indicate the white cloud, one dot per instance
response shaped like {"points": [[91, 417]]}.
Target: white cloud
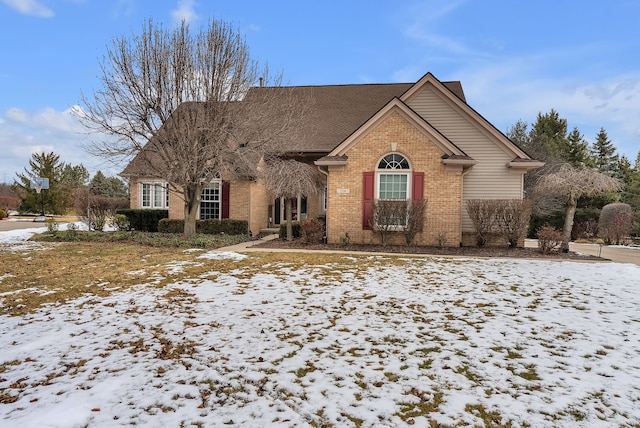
{"points": [[30, 7], [23, 133], [184, 12], [505, 86]]}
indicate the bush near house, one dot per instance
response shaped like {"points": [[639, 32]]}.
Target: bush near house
{"points": [[616, 223], [506, 219], [295, 227], [3, 214], [144, 220], [207, 227], [549, 239], [312, 231]]}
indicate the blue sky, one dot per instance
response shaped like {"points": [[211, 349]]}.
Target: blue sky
{"points": [[514, 58]]}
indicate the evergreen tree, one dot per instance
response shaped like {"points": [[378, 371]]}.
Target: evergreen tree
{"points": [[111, 187], [519, 134], [604, 153], [52, 200], [578, 153], [548, 136], [75, 176]]}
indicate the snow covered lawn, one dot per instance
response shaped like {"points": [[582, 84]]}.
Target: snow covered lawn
{"points": [[312, 340]]}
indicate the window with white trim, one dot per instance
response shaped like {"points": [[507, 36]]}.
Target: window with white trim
{"points": [[155, 195], [210, 201], [393, 189], [393, 177]]}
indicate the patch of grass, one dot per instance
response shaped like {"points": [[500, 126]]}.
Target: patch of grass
{"points": [[163, 240], [71, 270], [490, 418], [530, 374], [421, 404]]}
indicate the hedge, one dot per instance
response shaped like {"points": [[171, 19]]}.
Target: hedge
{"points": [[144, 220], [295, 228], [209, 227]]}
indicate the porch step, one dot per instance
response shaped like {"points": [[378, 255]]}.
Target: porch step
{"points": [[268, 231]]}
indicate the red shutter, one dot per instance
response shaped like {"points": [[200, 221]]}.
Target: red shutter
{"points": [[226, 186], [367, 198], [417, 192]]}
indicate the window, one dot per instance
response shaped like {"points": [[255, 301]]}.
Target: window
{"points": [[393, 190], [385, 193], [210, 201], [393, 177], [155, 195]]}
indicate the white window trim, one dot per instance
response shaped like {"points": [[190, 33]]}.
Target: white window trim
{"points": [[387, 171], [220, 190], [152, 189]]}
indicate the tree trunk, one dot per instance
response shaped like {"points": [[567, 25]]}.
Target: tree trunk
{"points": [[191, 205], [287, 213], [568, 222]]}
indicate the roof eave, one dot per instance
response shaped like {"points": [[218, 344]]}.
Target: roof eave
{"points": [[524, 164], [460, 162]]}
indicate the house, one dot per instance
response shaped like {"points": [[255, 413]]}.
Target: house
{"points": [[406, 141]]}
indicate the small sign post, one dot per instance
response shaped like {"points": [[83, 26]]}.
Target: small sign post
{"points": [[40, 184]]}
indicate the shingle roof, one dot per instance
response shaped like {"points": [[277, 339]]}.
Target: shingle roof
{"points": [[336, 111], [339, 110]]}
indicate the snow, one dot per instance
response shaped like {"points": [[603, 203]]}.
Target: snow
{"points": [[363, 339]]}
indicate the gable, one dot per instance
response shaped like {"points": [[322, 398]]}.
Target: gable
{"points": [[461, 123], [449, 151]]}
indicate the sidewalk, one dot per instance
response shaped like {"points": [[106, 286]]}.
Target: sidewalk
{"points": [[612, 253]]}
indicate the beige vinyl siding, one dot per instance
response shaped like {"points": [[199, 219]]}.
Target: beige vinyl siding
{"points": [[489, 178]]}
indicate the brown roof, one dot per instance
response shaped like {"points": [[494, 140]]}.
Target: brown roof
{"points": [[336, 112], [339, 110]]}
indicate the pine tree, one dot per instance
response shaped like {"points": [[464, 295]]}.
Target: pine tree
{"points": [[52, 200], [604, 153], [549, 138], [578, 153]]}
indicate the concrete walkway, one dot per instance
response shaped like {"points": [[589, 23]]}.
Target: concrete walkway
{"points": [[615, 254]]}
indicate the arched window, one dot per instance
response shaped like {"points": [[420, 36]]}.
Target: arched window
{"points": [[393, 178], [387, 190]]}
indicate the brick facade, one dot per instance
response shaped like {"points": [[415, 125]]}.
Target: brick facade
{"points": [[442, 185]]}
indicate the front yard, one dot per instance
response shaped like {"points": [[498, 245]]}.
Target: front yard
{"points": [[209, 338]]}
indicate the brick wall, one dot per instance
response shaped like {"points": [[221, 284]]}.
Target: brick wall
{"points": [[442, 185]]}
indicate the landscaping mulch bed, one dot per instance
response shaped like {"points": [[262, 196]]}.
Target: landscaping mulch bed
{"points": [[530, 253]]}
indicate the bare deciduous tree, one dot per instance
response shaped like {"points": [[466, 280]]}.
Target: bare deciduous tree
{"points": [[289, 179], [566, 185], [180, 102]]}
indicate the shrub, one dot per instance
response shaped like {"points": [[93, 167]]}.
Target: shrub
{"points": [[312, 231], [144, 220], [549, 239], [72, 232], [207, 227], [120, 222], [295, 230], [3, 214], [512, 219], [52, 226], [94, 209], [415, 219], [388, 217], [482, 213], [616, 222], [226, 226]]}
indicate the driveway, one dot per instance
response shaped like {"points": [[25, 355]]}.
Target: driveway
{"points": [[6, 225], [617, 254]]}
